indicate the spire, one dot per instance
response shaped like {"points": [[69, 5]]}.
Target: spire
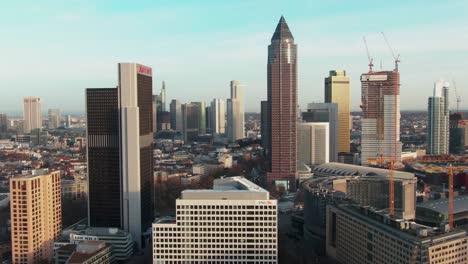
{"points": [[282, 30]]}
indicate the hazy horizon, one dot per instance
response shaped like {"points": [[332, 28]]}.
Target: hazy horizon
{"points": [[197, 48]]}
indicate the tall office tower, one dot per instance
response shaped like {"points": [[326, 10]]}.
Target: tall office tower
{"points": [[218, 110], [154, 107], [458, 134], [69, 121], [325, 112], [190, 122], [381, 116], [163, 96], [209, 119], [236, 222], [313, 143], [235, 112], [32, 113], [3, 123], [36, 216], [120, 152], [164, 121], [54, 118], [337, 91], [201, 117], [439, 114], [264, 128], [176, 115], [282, 107]]}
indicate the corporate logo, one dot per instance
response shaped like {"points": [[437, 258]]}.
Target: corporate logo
{"points": [[145, 70]]}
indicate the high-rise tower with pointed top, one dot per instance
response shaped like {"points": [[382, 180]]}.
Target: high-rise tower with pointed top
{"points": [[282, 108]]}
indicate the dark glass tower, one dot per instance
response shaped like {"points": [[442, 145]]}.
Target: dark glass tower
{"points": [[282, 108], [120, 152], [102, 111]]}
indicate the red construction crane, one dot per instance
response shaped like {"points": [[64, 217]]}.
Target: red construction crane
{"points": [[450, 202]]}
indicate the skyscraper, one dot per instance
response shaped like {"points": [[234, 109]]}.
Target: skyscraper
{"points": [[209, 119], [201, 117], [3, 123], [176, 115], [120, 152], [337, 91], [36, 216], [54, 118], [325, 112], [439, 116], [381, 116], [264, 128], [282, 107], [235, 112], [154, 106], [163, 96], [190, 122], [218, 110], [32, 113]]}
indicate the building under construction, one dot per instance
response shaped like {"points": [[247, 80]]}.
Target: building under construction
{"points": [[380, 99]]}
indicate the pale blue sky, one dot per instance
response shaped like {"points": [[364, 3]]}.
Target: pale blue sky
{"points": [[56, 49]]}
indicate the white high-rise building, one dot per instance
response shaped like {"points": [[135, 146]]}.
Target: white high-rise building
{"points": [[54, 118], [32, 113], [218, 110], [236, 222], [438, 125], [235, 112], [313, 143]]}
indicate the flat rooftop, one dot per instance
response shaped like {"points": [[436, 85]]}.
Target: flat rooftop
{"points": [[231, 188]]}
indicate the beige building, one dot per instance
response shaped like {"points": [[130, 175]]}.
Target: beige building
{"points": [[75, 189], [36, 216], [337, 90], [357, 235], [236, 222], [313, 143], [32, 113]]}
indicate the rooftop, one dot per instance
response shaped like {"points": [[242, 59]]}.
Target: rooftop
{"points": [[282, 31], [341, 169], [460, 205]]}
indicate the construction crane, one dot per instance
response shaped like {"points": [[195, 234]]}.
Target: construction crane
{"points": [[458, 97], [450, 201], [396, 57], [369, 58]]}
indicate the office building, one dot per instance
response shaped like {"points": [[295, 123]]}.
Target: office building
{"points": [[91, 252], [282, 108], [380, 103], [201, 106], [190, 122], [325, 112], [158, 106], [32, 113], [154, 107], [236, 222], [54, 118], [163, 96], [264, 130], [69, 121], [218, 114], [176, 115], [235, 112], [164, 121], [358, 235], [120, 152], [313, 143], [348, 157], [438, 123], [36, 216], [3, 123], [458, 133], [337, 90], [209, 119]]}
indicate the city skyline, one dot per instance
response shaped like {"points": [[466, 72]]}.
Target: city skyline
{"points": [[59, 71]]}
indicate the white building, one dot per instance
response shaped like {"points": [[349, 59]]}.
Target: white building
{"points": [[236, 222], [235, 112], [218, 113], [438, 125], [313, 143], [32, 113]]}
